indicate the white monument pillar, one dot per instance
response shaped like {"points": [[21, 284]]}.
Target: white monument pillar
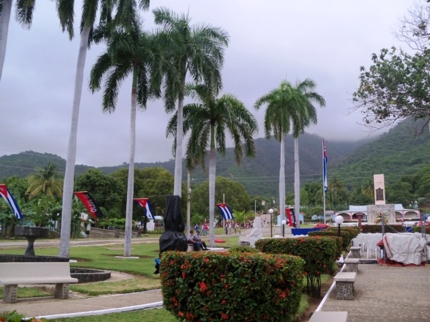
{"points": [[379, 189]]}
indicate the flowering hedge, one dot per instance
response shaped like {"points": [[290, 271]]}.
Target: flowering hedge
{"points": [[347, 234], [210, 286], [319, 254]]}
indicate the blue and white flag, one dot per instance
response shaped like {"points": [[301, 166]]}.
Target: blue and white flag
{"points": [[324, 150], [144, 202], [4, 192], [225, 211]]}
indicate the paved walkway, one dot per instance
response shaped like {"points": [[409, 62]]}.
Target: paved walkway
{"points": [[386, 294]]}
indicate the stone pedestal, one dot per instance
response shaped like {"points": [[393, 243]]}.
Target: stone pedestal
{"points": [[355, 252], [388, 210], [31, 234]]}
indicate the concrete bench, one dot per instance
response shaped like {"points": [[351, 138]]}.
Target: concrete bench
{"points": [[345, 285], [14, 273], [355, 252], [351, 264], [322, 316]]}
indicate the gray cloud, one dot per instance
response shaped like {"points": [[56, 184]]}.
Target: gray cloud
{"points": [[270, 41]]}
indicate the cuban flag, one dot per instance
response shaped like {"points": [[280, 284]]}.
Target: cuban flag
{"points": [[144, 202], [225, 211], [324, 152], [90, 204], [4, 192]]}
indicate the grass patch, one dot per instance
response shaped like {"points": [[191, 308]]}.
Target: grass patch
{"points": [[26, 292], [136, 284], [133, 316]]}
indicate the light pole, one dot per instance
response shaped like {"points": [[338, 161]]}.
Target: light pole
{"points": [[271, 215], [339, 221], [283, 227]]}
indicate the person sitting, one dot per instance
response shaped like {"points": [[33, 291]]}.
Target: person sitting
{"points": [[190, 239], [198, 239]]}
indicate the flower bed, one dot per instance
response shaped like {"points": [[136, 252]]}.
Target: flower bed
{"points": [[209, 286]]}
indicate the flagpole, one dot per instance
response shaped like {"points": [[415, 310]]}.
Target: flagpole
{"points": [[325, 181], [324, 205]]}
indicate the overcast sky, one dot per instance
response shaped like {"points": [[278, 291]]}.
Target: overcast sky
{"points": [[270, 41]]}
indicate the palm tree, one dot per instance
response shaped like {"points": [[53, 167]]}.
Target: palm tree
{"points": [[208, 121], [45, 182], [334, 187], [24, 15], [305, 114], [289, 108], [129, 51], [125, 8], [197, 50]]}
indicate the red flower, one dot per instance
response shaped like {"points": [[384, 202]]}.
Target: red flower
{"points": [[226, 286], [183, 275], [224, 316], [223, 301], [181, 314], [203, 286]]}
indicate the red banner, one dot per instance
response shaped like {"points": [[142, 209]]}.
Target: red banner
{"points": [[89, 203]]}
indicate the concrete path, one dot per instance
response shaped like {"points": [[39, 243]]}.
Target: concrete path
{"points": [[386, 294]]}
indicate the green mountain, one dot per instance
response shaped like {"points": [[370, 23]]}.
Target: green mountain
{"points": [[25, 163], [402, 151], [399, 152]]}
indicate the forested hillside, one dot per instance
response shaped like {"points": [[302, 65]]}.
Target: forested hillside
{"points": [[25, 163], [259, 175], [400, 152]]}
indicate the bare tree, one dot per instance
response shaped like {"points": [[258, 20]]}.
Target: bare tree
{"points": [[413, 27]]}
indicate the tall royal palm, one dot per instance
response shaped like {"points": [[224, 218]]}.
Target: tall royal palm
{"points": [[194, 50], [24, 15], [129, 52], [304, 114], [125, 9], [289, 108], [208, 121]]}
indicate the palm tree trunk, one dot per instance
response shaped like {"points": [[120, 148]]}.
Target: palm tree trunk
{"points": [[177, 189], [282, 179], [4, 28], [212, 171], [296, 181], [188, 201], [130, 182], [66, 215]]}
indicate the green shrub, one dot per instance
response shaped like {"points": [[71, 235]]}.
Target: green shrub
{"points": [[347, 234], [11, 316], [319, 254], [242, 249], [416, 229], [210, 286]]}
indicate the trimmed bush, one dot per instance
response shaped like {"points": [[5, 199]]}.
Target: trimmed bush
{"points": [[417, 229], [210, 286], [346, 233], [319, 254]]}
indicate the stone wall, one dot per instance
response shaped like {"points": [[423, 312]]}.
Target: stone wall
{"points": [[108, 233]]}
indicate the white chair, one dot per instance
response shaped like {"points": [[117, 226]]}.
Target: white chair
{"points": [[371, 247]]}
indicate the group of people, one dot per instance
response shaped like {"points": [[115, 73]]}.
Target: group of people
{"points": [[196, 241], [204, 228]]}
